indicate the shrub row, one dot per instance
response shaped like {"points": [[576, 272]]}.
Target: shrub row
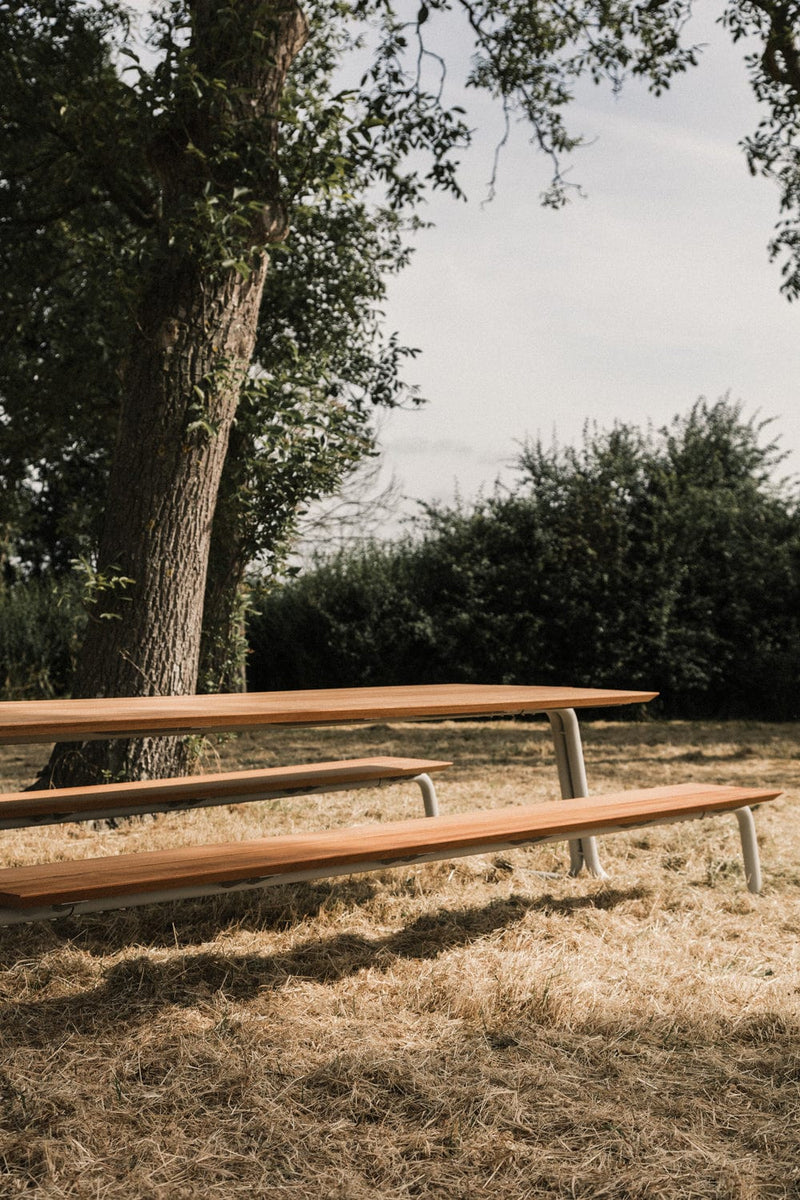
{"points": [[667, 561]]}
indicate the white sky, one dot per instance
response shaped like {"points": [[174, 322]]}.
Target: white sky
{"points": [[627, 305]]}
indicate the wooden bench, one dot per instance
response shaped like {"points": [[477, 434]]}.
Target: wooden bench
{"points": [[54, 805], [51, 889]]}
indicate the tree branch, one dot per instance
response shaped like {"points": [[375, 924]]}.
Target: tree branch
{"points": [[781, 58]]}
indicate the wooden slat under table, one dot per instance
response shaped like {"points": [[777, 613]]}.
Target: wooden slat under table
{"points": [[378, 845], [85, 720], [51, 805]]}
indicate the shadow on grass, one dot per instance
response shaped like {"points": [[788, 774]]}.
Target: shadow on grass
{"points": [[133, 990]]}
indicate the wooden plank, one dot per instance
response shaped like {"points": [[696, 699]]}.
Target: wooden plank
{"points": [[69, 882], [49, 720], [227, 787]]}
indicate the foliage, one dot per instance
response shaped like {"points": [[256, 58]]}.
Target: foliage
{"points": [[304, 416], [73, 267], [666, 560], [773, 149], [86, 116], [66, 267], [40, 625], [89, 207]]}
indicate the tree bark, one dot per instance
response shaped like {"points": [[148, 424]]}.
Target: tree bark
{"points": [[192, 346], [223, 644]]}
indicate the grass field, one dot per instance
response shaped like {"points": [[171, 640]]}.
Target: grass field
{"points": [[467, 1029]]}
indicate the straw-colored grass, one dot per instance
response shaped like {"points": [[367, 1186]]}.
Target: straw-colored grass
{"points": [[464, 1029]]}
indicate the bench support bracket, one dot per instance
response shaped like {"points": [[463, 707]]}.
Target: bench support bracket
{"points": [[429, 800]]}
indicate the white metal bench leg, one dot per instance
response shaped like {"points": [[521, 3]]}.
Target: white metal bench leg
{"points": [[747, 832], [572, 780], [428, 795]]}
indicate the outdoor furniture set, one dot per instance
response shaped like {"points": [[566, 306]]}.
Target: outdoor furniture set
{"points": [[50, 890]]}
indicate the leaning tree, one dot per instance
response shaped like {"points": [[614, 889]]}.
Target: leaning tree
{"points": [[302, 416]]}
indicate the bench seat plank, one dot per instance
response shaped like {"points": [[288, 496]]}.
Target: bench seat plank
{"points": [[49, 806], [377, 844]]}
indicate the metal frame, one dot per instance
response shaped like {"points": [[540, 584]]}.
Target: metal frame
{"points": [[429, 801], [747, 833], [573, 784], [572, 781]]}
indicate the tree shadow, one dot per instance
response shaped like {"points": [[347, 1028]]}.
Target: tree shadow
{"points": [[132, 990]]}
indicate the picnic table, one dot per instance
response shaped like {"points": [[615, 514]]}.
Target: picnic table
{"points": [[45, 890], [93, 719]]}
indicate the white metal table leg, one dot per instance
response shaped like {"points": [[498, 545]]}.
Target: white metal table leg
{"points": [[747, 832], [572, 780], [565, 782]]}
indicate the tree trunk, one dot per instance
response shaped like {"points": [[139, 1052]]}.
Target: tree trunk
{"points": [[192, 346], [223, 646], [144, 636]]}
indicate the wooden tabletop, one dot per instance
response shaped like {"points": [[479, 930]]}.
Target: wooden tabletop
{"points": [[83, 720]]}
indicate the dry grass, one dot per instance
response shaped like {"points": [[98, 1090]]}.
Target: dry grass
{"points": [[455, 1030]]}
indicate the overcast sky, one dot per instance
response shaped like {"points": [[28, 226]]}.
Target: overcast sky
{"points": [[627, 305]]}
